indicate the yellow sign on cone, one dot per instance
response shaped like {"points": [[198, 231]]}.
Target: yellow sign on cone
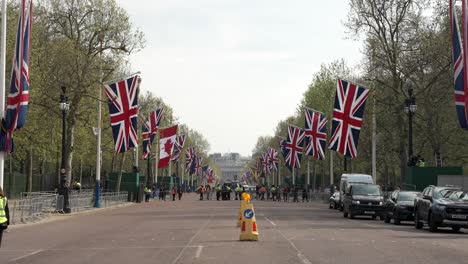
{"points": [[249, 229]]}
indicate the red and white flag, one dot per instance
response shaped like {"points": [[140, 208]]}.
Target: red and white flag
{"points": [[167, 139]]}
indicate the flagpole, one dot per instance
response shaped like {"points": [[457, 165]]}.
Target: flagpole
{"points": [[308, 171], [331, 167], [374, 143], [279, 173], [156, 166], [97, 202], [2, 80], [294, 176]]}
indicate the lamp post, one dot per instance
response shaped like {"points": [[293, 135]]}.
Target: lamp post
{"points": [[64, 106], [410, 109]]}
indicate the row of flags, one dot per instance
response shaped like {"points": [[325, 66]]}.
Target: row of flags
{"points": [[123, 108], [348, 111]]}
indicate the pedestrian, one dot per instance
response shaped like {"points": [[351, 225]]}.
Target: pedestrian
{"points": [[273, 192], [238, 192], [262, 192], [179, 191], [218, 191], [295, 194], [228, 188], [200, 191], [154, 188], [4, 214], [173, 192], [208, 191], [304, 195], [285, 193], [147, 191]]}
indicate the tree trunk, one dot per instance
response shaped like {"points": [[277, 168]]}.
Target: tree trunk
{"points": [[119, 178]]}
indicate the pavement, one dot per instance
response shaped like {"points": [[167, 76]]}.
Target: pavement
{"points": [[193, 231]]}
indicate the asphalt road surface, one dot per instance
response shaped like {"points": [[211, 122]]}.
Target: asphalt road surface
{"points": [[193, 231]]}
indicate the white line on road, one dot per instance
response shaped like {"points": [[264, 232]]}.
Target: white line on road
{"points": [[199, 250], [190, 241], [27, 255], [299, 253], [271, 222]]}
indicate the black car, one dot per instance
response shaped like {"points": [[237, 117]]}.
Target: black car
{"points": [[441, 207], [363, 199], [334, 201], [400, 207]]}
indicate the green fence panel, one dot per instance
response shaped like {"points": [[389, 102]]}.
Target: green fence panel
{"points": [[419, 178]]}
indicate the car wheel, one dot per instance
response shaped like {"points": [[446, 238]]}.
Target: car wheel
{"points": [[456, 228], [417, 224], [387, 218], [345, 214], [432, 224], [374, 217], [396, 218]]}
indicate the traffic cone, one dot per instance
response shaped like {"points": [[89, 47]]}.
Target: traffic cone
{"points": [[249, 229], [241, 209]]}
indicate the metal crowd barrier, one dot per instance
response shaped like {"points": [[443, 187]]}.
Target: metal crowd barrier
{"points": [[34, 206]]}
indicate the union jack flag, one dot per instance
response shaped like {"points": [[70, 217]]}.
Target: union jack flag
{"points": [[17, 104], [198, 165], [460, 63], [282, 146], [189, 160], [294, 147], [123, 108], [150, 129], [316, 134], [179, 146], [266, 163], [350, 102], [273, 159]]}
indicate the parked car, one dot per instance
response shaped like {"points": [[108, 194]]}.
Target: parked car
{"points": [[441, 207], [334, 201], [400, 206], [354, 178], [363, 199]]}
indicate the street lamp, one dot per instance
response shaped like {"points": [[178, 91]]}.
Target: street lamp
{"points": [[64, 106], [410, 110]]}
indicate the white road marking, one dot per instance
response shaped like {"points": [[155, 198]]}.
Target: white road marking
{"points": [[27, 255], [191, 239], [299, 253], [271, 222], [199, 250]]}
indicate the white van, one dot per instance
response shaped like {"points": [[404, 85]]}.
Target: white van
{"points": [[352, 178]]}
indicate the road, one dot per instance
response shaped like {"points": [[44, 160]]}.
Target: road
{"points": [[192, 231]]}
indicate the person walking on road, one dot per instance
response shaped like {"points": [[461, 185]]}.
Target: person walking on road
{"points": [[304, 195], [285, 194], [273, 192], [179, 192], [200, 191], [147, 191], [295, 195], [208, 191], [4, 214], [262, 192], [173, 192], [218, 191], [238, 192]]}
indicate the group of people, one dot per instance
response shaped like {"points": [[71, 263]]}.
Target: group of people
{"points": [[280, 193], [152, 191]]}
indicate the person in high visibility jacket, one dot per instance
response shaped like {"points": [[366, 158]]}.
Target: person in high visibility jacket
{"points": [[228, 189], [238, 191], [4, 214], [147, 191], [273, 192], [218, 191]]}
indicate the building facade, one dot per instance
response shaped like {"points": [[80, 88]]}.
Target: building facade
{"points": [[230, 165]]}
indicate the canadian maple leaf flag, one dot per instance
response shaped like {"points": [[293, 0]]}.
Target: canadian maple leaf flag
{"points": [[167, 138]]}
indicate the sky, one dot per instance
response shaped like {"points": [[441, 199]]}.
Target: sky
{"points": [[232, 69]]}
